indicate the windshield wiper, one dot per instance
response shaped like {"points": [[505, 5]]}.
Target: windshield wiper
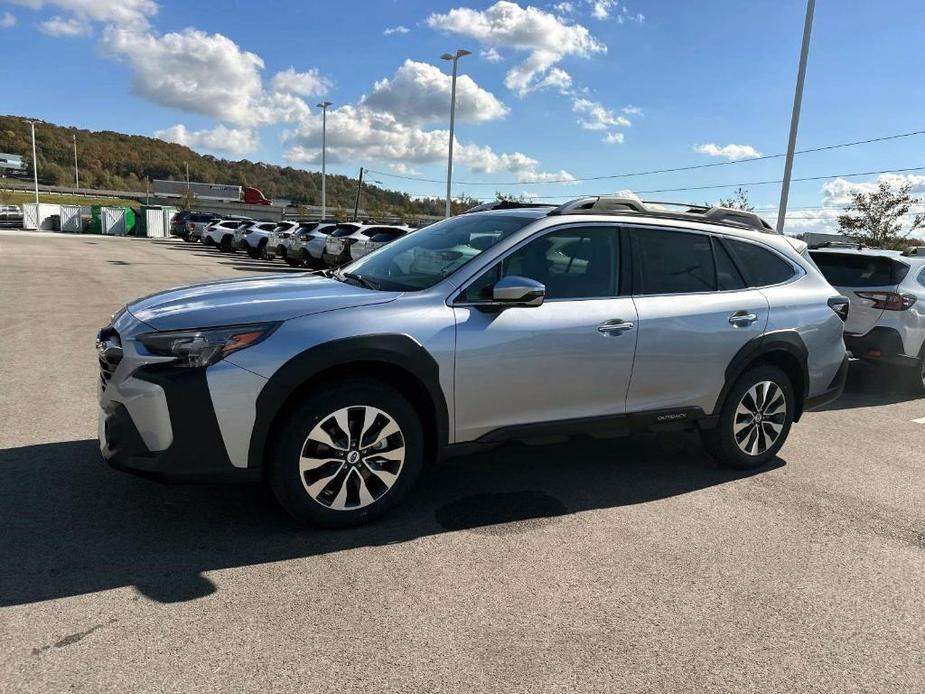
{"points": [[363, 281]]}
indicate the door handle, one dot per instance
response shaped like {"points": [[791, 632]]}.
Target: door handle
{"points": [[614, 327], [742, 319]]}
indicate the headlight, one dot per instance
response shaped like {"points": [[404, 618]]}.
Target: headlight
{"points": [[192, 348]]}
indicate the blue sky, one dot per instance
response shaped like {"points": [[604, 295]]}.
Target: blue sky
{"points": [[552, 91]]}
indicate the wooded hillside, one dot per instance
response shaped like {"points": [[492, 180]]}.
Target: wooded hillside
{"points": [[113, 161]]}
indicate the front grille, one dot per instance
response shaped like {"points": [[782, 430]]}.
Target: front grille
{"points": [[109, 353]]}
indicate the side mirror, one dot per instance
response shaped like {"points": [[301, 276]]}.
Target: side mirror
{"points": [[518, 291]]}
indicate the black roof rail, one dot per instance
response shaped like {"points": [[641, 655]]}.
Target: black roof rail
{"points": [[606, 204], [505, 205]]}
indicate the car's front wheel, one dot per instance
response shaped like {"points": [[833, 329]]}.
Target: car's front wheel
{"points": [[346, 454], [755, 419]]}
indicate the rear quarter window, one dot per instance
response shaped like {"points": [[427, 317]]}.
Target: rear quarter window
{"points": [[761, 267], [847, 270]]}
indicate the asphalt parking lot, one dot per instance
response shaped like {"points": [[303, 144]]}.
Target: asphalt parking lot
{"points": [[586, 566]]}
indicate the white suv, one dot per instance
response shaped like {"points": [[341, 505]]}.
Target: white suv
{"points": [[601, 316], [220, 233], [886, 322]]}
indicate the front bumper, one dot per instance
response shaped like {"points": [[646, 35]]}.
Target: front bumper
{"points": [[880, 344], [196, 452]]}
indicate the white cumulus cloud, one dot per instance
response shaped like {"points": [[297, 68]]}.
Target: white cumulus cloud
{"points": [[220, 139], [202, 73], [731, 152], [308, 83], [491, 55], [7, 20], [358, 133], [125, 12], [613, 138], [67, 28], [595, 116], [420, 93], [545, 37], [396, 30]]}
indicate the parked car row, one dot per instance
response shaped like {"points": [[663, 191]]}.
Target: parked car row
{"points": [[297, 243]]}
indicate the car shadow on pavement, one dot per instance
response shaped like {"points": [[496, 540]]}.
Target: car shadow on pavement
{"points": [[71, 525], [874, 385]]}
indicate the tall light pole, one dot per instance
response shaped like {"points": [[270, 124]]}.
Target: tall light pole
{"points": [[795, 116], [35, 164], [324, 147], [76, 172], [449, 166]]}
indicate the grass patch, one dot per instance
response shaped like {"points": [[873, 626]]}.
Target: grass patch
{"points": [[8, 197]]}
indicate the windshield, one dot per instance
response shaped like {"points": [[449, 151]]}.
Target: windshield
{"points": [[423, 258]]}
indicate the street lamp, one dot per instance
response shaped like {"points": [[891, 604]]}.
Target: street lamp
{"points": [[449, 167], [324, 133], [35, 164], [795, 115], [76, 172]]}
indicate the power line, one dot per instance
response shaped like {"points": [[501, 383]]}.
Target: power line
{"points": [[653, 171], [712, 187]]}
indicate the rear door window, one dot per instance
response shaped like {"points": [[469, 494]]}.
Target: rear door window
{"points": [[728, 276], [761, 267], [672, 262], [856, 270]]}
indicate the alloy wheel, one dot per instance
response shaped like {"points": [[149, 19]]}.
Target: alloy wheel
{"points": [[352, 458], [760, 418]]}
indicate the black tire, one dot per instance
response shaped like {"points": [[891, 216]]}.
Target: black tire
{"points": [[281, 253], [722, 441], [291, 441], [252, 252], [292, 262], [262, 251], [188, 238], [917, 375], [226, 245]]}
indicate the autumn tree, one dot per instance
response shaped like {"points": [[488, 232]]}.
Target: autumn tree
{"points": [[875, 218]]}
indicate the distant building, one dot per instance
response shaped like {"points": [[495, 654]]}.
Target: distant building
{"points": [[814, 238], [11, 164]]}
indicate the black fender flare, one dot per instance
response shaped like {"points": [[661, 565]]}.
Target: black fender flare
{"points": [[779, 341], [387, 350]]}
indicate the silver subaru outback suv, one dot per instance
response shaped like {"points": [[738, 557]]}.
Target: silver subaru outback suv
{"points": [[602, 316]]}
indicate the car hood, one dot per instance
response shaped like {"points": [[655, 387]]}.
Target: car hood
{"points": [[250, 300]]}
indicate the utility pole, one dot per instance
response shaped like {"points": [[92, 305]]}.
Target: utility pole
{"points": [[324, 147], [356, 202], [76, 171], [449, 166], [795, 116], [35, 164]]}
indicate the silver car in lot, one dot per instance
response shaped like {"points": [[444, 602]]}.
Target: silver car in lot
{"points": [[306, 243], [603, 316], [886, 323], [375, 238], [278, 241]]}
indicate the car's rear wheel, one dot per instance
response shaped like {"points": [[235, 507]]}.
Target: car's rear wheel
{"points": [[226, 245], [346, 454], [755, 419], [917, 374]]}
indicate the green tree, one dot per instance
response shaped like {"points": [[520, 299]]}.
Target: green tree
{"points": [[738, 201], [876, 218]]}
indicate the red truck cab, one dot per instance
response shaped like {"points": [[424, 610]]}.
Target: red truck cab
{"points": [[253, 196]]}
